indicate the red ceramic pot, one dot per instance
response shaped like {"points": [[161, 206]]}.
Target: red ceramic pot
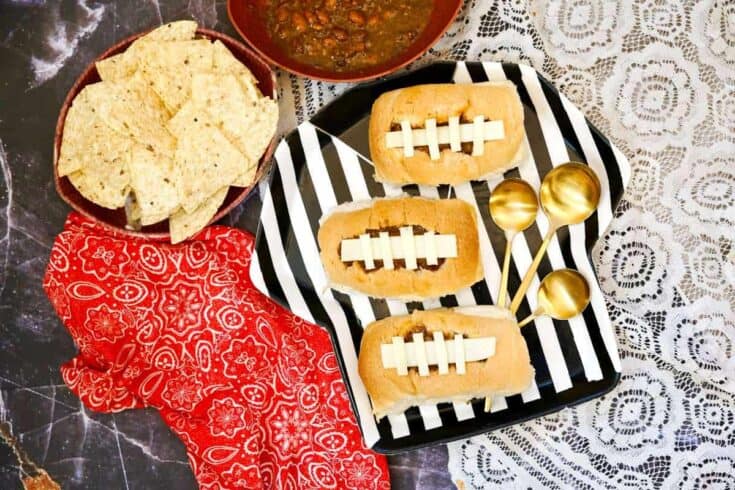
{"points": [[246, 16]]}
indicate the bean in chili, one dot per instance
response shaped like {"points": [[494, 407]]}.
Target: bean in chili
{"points": [[348, 35]]}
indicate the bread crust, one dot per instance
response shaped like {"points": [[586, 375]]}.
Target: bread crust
{"points": [[494, 100], [508, 372], [443, 216]]}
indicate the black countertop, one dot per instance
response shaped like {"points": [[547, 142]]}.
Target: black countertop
{"points": [[44, 46]]}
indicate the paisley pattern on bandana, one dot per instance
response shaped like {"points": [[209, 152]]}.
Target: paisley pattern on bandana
{"points": [[252, 391]]}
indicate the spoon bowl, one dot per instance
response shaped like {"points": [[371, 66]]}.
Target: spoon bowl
{"points": [[563, 294], [570, 193], [513, 205]]}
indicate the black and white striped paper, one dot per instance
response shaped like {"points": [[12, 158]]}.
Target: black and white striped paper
{"points": [[323, 164]]}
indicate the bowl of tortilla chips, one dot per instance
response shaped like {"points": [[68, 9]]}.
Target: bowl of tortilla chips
{"points": [[166, 132]]}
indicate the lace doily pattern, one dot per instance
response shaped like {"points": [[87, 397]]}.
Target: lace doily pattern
{"points": [[581, 33], [654, 95], [714, 34]]}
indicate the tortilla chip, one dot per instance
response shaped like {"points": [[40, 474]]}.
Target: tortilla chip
{"points": [[152, 182], [248, 123], [79, 117], [133, 110], [169, 68], [191, 114], [104, 182], [79, 122], [90, 143], [246, 178], [181, 30], [187, 116], [205, 160], [87, 141], [152, 219], [226, 63], [116, 67], [182, 225], [125, 64], [224, 102]]}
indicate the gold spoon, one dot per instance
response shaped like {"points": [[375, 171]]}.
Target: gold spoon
{"points": [[569, 194], [563, 294], [513, 207]]}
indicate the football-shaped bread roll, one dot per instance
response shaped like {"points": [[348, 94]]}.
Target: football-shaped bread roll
{"points": [[446, 133], [408, 248], [506, 371]]}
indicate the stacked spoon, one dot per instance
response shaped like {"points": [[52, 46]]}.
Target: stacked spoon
{"points": [[569, 194]]}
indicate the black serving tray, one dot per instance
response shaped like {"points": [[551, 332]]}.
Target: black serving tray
{"points": [[325, 162]]}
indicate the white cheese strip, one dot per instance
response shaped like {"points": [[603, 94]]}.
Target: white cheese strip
{"points": [[445, 247], [491, 130], [459, 353], [478, 140], [367, 251], [408, 243], [486, 311], [406, 138], [399, 358], [455, 141], [432, 139], [430, 248], [440, 348], [420, 351], [386, 251], [398, 353]]}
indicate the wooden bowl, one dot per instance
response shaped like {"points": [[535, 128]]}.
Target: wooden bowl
{"points": [[115, 218], [247, 19]]}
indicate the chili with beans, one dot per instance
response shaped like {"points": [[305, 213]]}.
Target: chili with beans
{"points": [[346, 35]]}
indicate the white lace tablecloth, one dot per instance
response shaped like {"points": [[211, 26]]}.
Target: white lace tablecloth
{"points": [[658, 78]]}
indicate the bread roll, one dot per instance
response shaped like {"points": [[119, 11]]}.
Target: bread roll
{"points": [[441, 216], [505, 373], [496, 101]]}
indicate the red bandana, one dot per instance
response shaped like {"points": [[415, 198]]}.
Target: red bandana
{"points": [[254, 392]]}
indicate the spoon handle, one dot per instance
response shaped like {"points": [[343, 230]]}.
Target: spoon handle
{"points": [[504, 276], [531, 317], [532, 269]]}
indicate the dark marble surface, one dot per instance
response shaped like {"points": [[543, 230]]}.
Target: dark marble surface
{"points": [[44, 45]]}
